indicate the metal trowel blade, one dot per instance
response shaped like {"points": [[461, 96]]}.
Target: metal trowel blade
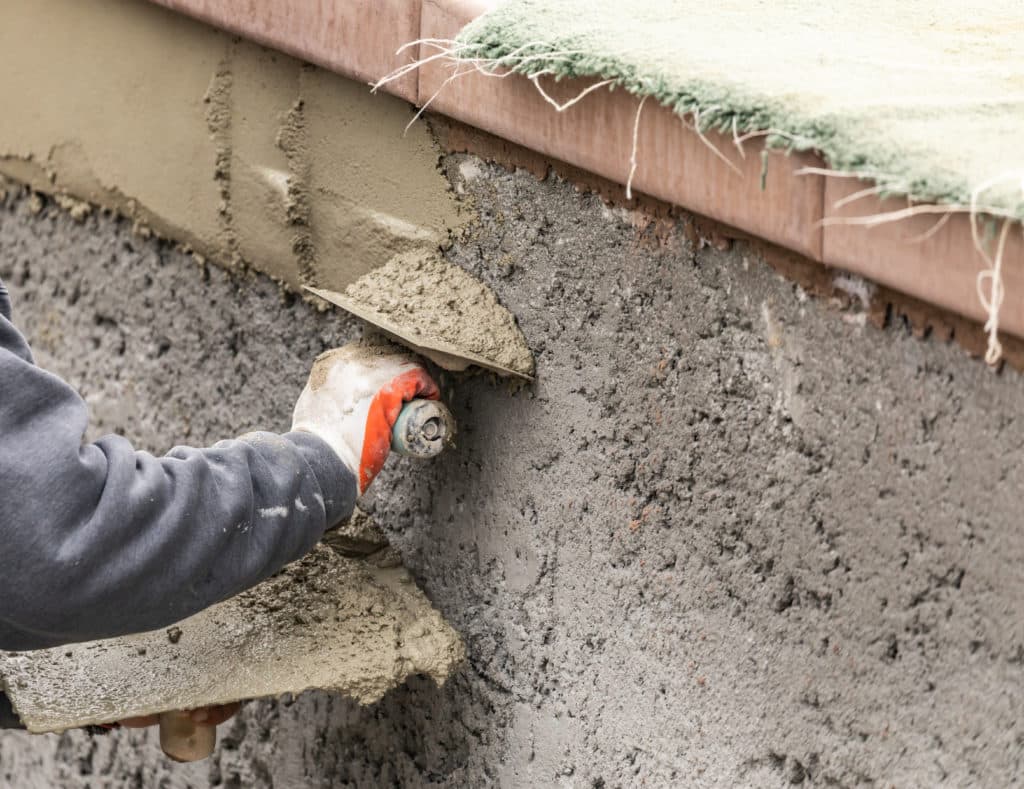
{"points": [[442, 353]]}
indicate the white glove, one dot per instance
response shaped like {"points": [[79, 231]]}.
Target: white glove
{"points": [[352, 399]]}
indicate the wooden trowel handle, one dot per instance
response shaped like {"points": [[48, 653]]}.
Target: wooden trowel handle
{"points": [[184, 740]]}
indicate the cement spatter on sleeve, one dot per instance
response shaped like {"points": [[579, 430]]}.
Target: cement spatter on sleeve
{"points": [[435, 300]]}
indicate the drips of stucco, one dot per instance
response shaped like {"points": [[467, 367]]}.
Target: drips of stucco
{"points": [[241, 153]]}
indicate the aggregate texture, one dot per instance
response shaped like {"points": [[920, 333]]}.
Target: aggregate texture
{"points": [[731, 536]]}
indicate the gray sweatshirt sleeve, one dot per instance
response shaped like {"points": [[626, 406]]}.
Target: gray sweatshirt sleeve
{"points": [[101, 540]]}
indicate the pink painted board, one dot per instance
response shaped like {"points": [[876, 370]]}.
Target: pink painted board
{"points": [[937, 264]]}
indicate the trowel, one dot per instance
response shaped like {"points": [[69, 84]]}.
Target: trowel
{"points": [[441, 352], [438, 310]]}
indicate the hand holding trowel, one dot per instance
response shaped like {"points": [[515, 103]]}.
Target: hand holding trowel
{"points": [[326, 621]]}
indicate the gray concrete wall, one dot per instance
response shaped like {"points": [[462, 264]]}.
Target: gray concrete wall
{"points": [[731, 537]]}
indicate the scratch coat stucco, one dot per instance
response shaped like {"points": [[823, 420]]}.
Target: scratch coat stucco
{"points": [[244, 154]]}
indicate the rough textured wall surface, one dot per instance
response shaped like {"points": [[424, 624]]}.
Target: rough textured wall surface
{"points": [[732, 536]]}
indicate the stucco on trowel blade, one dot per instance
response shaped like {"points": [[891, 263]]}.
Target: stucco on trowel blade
{"points": [[352, 626], [439, 311], [241, 153]]}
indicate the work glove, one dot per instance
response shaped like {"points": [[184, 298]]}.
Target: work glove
{"points": [[352, 399]]}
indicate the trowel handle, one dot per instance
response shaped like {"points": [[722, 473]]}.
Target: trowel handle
{"points": [[423, 429], [184, 740]]}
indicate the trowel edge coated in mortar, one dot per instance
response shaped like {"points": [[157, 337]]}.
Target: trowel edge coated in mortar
{"points": [[442, 353]]}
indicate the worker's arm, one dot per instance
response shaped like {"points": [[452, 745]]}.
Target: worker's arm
{"points": [[101, 540]]}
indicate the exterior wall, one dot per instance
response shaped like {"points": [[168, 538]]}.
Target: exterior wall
{"points": [[732, 536]]}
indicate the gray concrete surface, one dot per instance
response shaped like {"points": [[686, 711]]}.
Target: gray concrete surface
{"points": [[732, 536]]}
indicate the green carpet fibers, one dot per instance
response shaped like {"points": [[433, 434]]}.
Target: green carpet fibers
{"points": [[924, 98]]}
